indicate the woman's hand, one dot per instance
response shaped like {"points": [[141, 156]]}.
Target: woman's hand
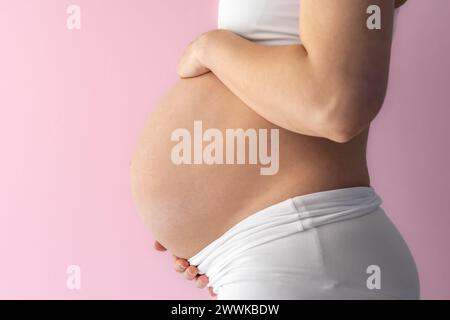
{"points": [[190, 65], [189, 272]]}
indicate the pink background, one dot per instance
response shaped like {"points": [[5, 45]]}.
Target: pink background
{"points": [[73, 102]]}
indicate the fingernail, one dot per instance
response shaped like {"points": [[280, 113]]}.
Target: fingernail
{"points": [[180, 267], [191, 272]]}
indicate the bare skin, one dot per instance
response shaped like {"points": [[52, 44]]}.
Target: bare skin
{"points": [[184, 219], [188, 206], [323, 139], [189, 272]]}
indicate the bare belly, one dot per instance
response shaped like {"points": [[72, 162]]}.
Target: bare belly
{"points": [[188, 206]]}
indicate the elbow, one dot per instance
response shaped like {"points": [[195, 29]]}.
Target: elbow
{"points": [[342, 134], [345, 118]]}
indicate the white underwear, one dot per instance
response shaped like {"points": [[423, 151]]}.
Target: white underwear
{"points": [[334, 244]]}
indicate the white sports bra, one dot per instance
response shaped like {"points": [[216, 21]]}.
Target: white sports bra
{"points": [[270, 22]]}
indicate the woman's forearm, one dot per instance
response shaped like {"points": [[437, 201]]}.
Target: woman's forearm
{"points": [[277, 82], [332, 85]]}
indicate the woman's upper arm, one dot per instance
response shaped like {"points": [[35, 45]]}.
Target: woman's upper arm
{"points": [[350, 60]]}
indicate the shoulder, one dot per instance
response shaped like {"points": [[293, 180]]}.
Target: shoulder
{"points": [[399, 3]]}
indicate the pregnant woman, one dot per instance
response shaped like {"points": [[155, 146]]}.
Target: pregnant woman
{"points": [[283, 207]]}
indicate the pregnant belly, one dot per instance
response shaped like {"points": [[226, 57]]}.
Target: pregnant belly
{"points": [[186, 206]]}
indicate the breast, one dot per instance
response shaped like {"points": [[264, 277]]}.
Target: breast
{"points": [[270, 22]]}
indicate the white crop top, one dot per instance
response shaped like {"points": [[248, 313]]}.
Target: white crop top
{"points": [[270, 22]]}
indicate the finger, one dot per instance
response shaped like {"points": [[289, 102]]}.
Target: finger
{"points": [[158, 246], [180, 265], [201, 281], [211, 292], [190, 272]]}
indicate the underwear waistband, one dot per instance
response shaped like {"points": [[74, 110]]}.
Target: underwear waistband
{"points": [[292, 215]]}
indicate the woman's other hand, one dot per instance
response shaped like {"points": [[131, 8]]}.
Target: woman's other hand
{"points": [[189, 272]]}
